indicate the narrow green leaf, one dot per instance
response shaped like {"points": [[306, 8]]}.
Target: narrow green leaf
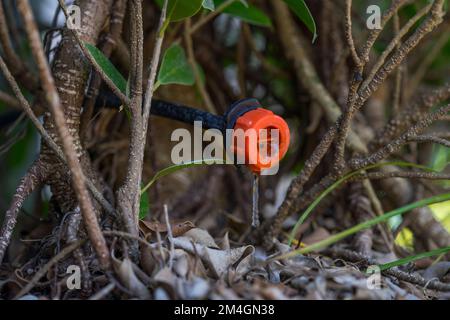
{"points": [[107, 67], [409, 259], [166, 171], [249, 13], [300, 8], [181, 9], [144, 206], [316, 202], [365, 225], [175, 67]]}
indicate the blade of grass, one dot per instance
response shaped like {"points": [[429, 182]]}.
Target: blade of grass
{"points": [[314, 204], [176, 167], [365, 225], [419, 256]]}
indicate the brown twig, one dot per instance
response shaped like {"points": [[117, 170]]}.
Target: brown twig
{"points": [[9, 100], [17, 65], [430, 138], [191, 58], [34, 177], [377, 78], [395, 272], [348, 32]]}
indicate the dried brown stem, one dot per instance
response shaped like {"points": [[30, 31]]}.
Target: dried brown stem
{"points": [[348, 32], [17, 65], [394, 272], [395, 145], [366, 90]]}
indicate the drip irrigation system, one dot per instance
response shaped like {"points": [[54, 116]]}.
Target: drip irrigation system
{"points": [[244, 115]]}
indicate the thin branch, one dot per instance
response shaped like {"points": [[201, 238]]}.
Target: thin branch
{"points": [[78, 178], [9, 100], [430, 138], [17, 65], [397, 95], [366, 90], [348, 32], [404, 174], [430, 56], [394, 44], [210, 16], [191, 58], [396, 144], [394, 272], [34, 177], [373, 36]]}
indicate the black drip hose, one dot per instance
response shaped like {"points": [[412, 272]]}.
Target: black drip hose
{"points": [[169, 110], [106, 99]]}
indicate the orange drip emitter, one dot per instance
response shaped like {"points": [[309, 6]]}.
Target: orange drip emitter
{"points": [[246, 115]]}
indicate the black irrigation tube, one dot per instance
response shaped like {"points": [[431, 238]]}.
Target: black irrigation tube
{"points": [[169, 110]]}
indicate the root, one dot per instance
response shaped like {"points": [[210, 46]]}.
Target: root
{"points": [[34, 177]]}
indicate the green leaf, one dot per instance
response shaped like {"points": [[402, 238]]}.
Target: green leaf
{"points": [[209, 4], [335, 185], [366, 225], [166, 171], [302, 11], [144, 206], [413, 258], [175, 67], [107, 67], [181, 9], [440, 158], [249, 13]]}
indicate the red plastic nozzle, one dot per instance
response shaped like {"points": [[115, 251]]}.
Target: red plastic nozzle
{"points": [[272, 139]]}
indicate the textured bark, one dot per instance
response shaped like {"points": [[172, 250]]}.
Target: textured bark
{"points": [[34, 177], [71, 71]]}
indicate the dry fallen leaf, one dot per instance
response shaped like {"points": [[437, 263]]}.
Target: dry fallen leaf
{"points": [[124, 269], [202, 237], [178, 229]]}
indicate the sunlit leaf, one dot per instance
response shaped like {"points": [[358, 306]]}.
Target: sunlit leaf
{"points": [[175, 67], [181, 9]]}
